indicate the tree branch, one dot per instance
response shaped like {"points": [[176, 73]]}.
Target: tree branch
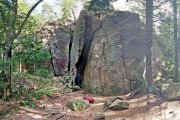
{"points": [[26, 18], [15, 16], [157, 7]]}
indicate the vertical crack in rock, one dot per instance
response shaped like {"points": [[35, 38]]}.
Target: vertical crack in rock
{"points": [[114, 58], [124, 63], [121, 41], [70, 46], [88, 37], [123, 58]]}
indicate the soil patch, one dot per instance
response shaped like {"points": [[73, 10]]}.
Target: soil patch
{"points": [[142, 107]]}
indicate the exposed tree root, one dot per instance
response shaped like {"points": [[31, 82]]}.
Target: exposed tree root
{"points": [[136, 91], [143, 86]]}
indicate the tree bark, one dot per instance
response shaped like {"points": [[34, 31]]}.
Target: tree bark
{"points": [[176, 58], [149, 35]]}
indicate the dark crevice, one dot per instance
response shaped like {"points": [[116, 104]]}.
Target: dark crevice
{"points": [[88, 38], [116, 22], [52, 62], [70, 46], [124, 64], [123, 58], [79, 61]]}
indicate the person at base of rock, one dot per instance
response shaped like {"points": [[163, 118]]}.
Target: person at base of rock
{"points": [[79, 79]]}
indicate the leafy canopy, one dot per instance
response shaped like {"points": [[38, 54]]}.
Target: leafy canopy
{"points": [[100, 6]]}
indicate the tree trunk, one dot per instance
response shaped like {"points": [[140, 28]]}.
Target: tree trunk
{"points": [[74, 17], [7, 71], [176, 58], [149, 35]]}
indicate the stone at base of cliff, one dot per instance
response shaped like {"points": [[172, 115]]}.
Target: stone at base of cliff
{"points": [[78, 104], [119, 105], [53, 109], [171, 91]]}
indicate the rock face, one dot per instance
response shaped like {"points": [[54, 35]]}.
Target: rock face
{"points": [[57, 37], [113, 52], [60, 52], [77, 45], [109, 53]]}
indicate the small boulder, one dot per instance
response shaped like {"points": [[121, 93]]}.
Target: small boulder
{"points": [[53, 108], [171, 91], [75, 88], [78, 104], [119, 105], [99, 117]]}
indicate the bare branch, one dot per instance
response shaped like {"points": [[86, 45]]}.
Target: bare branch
{"points": [[157, 7]]}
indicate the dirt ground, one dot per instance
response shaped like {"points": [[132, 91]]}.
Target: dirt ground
{"points": [[142, 107]]}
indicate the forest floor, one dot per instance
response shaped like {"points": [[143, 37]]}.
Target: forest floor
{"points": [[142, 107]]}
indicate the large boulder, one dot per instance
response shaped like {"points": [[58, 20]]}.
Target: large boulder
{"points": [[56, 37], [60, 52], [112, 54], [116, 55]]}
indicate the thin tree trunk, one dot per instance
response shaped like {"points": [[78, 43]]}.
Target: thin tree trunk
{"points": [[74, 17], [7, 72], [176, 59], [149, 35]]}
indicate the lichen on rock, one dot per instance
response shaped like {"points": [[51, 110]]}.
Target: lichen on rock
{"points": [[78, 104]]}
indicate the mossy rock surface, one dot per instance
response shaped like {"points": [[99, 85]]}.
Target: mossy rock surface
{"points": [[171, 91], [119, 105], [78, 104]]}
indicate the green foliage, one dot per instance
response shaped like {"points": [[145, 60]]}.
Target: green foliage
{"points": [[169, 65], [42, 72], [137, 84], [32, 57], [4, 64], [68, 7], [48, 12], [64, 82], [40, 19], [3, 112], [15, 110], [27, 103], [13, 17], [100, 6], [165, 41], [22, 91], [39, 93]]}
